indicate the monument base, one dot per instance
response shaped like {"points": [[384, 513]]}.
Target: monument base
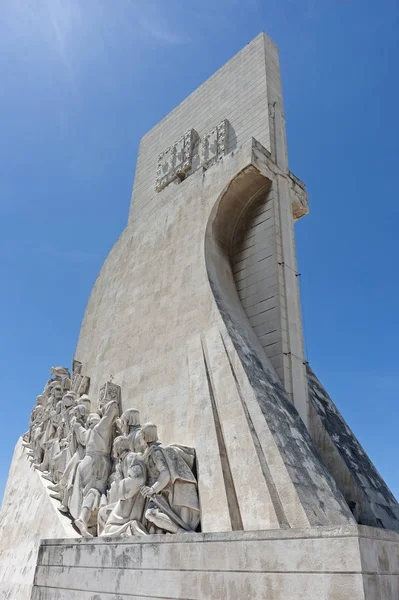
{"points": [[356, 562], [27, 514]]}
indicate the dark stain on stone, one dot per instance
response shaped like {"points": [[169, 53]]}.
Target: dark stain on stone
{"points": [[370, 485], [311, 478], [123, 560]]}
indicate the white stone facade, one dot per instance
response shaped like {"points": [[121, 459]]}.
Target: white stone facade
{"points": [[195, 321], [340, 563], [27, 515]]}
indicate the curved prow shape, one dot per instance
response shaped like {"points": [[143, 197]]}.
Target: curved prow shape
{"points": [[301, 489], [248, 190]]}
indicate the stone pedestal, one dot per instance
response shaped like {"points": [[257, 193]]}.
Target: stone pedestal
{"points": [[323, 563]]}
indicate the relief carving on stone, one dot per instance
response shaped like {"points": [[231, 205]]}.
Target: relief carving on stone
{"points": [[110, 391], [80, 383], [76, 366], [111, 475], [190, 152], [175, 161], [214, 144], [299, 197]]}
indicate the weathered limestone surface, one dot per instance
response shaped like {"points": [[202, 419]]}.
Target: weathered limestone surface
{"points": [[246, 92], [196, 316], [165, 318], [28, 514], [356, 563], [176, 361], [358, 479]]}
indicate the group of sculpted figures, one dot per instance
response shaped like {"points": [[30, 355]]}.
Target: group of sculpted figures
{"points": [[112, 476]]}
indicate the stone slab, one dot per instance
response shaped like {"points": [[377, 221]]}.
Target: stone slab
{"points": [[364, 489], [27, 514], [360, 563]]}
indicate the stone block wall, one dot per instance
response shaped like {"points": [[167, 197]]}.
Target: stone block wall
{"points": [[257, 267], [315, 564], [28, 514], [359, 481], [237, 92]]}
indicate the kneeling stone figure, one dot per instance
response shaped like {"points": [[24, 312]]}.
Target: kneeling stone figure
{"points": [[172, 491], [125, 516]]}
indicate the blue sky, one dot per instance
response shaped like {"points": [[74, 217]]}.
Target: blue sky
{"points": [[83, 80]]}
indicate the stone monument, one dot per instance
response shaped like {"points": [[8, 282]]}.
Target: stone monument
{"points": [[196, 313]]}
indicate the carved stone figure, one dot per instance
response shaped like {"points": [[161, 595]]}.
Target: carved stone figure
{"points": [[51, 442], [109, 391], [60, 372], [85, 400], [69, 401], [36, 417], [59, 450], [130, 426], [55, 392], [35, 437], [125, 516], [172, 488], [143, 487], [80, 383], [81, 428], [93, 472], [48, 399]]}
